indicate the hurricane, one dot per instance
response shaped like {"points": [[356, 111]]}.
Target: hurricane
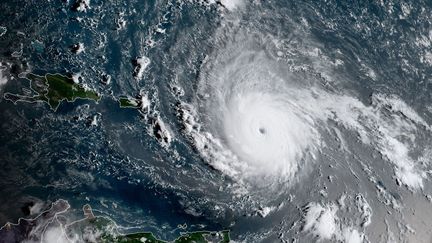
{"points": [[254, 111], [215, 121], [270, 111]]}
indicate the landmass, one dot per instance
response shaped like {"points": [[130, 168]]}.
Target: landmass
{"points": [[129, 102], [192, 237], [53, 89], [91, 228]]}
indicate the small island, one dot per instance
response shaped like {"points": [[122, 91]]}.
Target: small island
{"points": [[53, 89], [128, 102]]}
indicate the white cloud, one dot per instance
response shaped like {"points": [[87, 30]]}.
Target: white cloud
{"points": [[141, 65], [54, 234], [232, 4], [352, 235], [321, 220], [3, 78]]}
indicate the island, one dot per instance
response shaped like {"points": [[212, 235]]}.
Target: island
{"points": [[53, 89], [128, 102]]}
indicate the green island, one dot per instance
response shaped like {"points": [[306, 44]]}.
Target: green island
{"points": [[128, 102], [53, 89]]}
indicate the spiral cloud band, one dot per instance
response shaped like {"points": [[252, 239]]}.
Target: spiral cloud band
{"points": [[259, 121]]}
